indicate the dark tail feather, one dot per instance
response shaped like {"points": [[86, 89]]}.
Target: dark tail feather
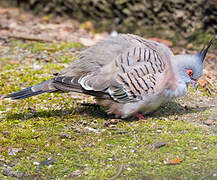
{"points": [[24, 93], [32, 91]]}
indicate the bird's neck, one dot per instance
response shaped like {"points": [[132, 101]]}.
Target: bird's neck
{"points": [[180, 79], [180, 90]]}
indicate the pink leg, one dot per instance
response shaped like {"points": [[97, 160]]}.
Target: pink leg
{"points": [[140, 116]]}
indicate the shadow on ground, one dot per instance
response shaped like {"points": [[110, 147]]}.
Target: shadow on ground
{"points": [[95, 111]]}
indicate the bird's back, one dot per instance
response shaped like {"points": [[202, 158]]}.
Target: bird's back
{"points": [[107, 51]]}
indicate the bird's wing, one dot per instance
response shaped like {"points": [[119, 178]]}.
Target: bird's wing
{"points": [[129, 73], [132, 76], [97, 56]]}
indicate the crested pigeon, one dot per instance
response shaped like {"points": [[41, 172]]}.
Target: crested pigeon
{"points": [[127, 74]]}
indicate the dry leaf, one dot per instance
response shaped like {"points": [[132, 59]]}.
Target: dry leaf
{"points": [[24, 17], [175, 161], [3, 149], [202, 82], [88, 26], [190, 45], [14, 62], [46, 18], [3, 11]]}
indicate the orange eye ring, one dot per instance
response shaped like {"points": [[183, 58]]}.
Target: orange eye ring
{"points": [[190, 72]]}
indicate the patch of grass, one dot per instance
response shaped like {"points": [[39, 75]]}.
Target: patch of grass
{"points": [[81, 138], [5, 59]]}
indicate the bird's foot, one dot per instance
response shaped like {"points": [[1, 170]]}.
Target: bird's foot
{"points": [[140, 117]]}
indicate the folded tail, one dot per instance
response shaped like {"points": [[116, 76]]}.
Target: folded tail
{"points": [[56, 84], [32, 91]]}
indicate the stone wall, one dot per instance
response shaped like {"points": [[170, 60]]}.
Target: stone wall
{"points": [[166, 18]]}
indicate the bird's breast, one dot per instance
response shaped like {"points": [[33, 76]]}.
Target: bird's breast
{"points": [[179, 91]]}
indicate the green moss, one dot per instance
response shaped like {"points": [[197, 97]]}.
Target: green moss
{"points": [[56, 126], [5, 59]]}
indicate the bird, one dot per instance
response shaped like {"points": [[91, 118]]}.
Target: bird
{"points": [[127, 74]]}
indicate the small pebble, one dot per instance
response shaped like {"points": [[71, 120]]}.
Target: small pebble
{"points": [[63, 135], [159, 144], [135, 165], [6, 133], [14, 151], [36, 163], [7, 171], [208, 122], [89, 129], [65, 170], [74, 174]]}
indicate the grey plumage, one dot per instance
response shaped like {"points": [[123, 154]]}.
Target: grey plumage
{"points": [[127, 74]]}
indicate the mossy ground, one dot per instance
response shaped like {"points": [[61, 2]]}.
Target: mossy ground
{"points": [[84, 138]]}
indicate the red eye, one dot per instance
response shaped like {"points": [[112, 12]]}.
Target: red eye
{"points": [[189, 71]]}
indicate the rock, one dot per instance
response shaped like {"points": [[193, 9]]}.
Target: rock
{"points": [[36, 163], [36, 66], [14, 151], [49, 161], [8, 171], [112, 122], [6, 133], [63, 135], [74, 174], [159, 130], [159, 144], [209, 122], [195, 148], [135, 165], [114, 33], [89, 129]]}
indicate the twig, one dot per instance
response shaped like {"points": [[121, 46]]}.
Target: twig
{"points": [[29, 37], [118, 173]]}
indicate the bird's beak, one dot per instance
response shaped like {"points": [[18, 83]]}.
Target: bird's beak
{"points": [[194, 82]]}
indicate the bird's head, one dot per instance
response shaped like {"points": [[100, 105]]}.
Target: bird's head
{"points": [[189, 67]]}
